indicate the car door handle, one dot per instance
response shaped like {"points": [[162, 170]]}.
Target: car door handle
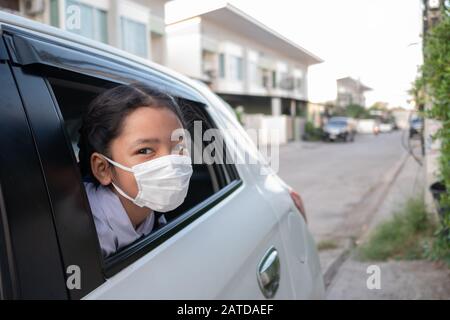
{"points": [[268, 273]]}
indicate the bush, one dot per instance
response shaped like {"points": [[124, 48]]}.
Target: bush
{"points": [[435, 82], [356, 111], [312, 133]]}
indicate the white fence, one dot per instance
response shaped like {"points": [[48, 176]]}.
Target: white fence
{"points": [[268, 129]]}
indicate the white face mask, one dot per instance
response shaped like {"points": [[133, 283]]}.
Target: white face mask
{"points": [[162, 182]]}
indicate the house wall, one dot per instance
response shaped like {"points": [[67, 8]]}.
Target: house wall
{"points": [[184, 50], [234, 44], [147, 12]]}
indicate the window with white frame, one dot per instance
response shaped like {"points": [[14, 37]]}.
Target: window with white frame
{"points": [[134, 28], [236, 68], [134, 37], [256, 74], [86, 20]]}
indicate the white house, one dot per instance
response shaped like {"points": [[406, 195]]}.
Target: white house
{"points": [[241, 59], [136, 26], [350, 91]]}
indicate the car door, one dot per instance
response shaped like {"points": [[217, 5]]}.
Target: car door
{"points": [[227, 246]]}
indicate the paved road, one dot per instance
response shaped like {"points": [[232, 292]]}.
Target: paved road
{"points": [[404, 279], [335, 179]]}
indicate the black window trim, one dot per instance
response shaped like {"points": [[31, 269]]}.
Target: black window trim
{"points": [[24, 264], [37, 117], [8, 282]]}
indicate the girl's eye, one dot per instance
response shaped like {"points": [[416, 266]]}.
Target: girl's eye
{"points": [[145, 151]]}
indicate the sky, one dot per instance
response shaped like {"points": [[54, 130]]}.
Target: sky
{"points": [[377, 41]]}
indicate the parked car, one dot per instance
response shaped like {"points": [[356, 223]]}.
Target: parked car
{"points": [[415, 126], [238, 235], [340, 128]]}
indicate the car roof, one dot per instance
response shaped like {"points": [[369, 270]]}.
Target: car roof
{"points": [[50, 32]]}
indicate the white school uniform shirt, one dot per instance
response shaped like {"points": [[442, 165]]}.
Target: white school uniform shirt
{"points": [[114, 228]]}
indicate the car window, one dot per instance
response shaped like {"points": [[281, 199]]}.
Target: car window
{"points": [[207, 181]]}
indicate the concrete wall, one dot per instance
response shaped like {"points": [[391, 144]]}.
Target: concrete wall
{"points": [[314, 113], [402, 118], [269, 129], [274, 129]]}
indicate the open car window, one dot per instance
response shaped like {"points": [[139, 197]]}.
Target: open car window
{"points": [[208, 182]]}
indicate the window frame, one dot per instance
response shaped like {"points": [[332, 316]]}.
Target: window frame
{"points": [[27, 258], [132, 252], [236, 68], [132, 12], [124, 21]]}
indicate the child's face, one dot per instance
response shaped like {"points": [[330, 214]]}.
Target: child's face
{"points": [[146, 135]]}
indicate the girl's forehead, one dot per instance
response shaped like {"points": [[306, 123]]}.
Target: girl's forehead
{"points": [[150, 120]]}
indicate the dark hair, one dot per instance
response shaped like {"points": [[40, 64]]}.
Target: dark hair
{"points": [[104, 118]]}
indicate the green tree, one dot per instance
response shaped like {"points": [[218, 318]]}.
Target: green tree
{"points": [[382, 106], [356, 111]]}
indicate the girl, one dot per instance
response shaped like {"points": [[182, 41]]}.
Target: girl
{"points": [[130, 163]]}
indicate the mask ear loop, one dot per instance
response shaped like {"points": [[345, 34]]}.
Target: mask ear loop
{"points": [[119, 190], [117, 164], [124, 194]]}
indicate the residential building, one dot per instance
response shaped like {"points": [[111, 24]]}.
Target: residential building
{"points": [[350, 91], [136, 26], [240, 58]]}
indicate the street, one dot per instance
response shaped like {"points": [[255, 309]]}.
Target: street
{"points": [[336, 179], [348, 189]]}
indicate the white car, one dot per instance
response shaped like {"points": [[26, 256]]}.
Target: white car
{"points": [[386, 127], [367, 126], [238, 235]]}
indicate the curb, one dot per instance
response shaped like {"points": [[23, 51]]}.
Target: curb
{"points": [[332, 270], [388, 179], [393, 174]]}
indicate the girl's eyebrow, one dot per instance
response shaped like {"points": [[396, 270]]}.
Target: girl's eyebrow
{"points": [[148, 140]]}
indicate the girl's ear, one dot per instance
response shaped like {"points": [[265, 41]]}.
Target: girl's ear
{"points": [[101, 169]]}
